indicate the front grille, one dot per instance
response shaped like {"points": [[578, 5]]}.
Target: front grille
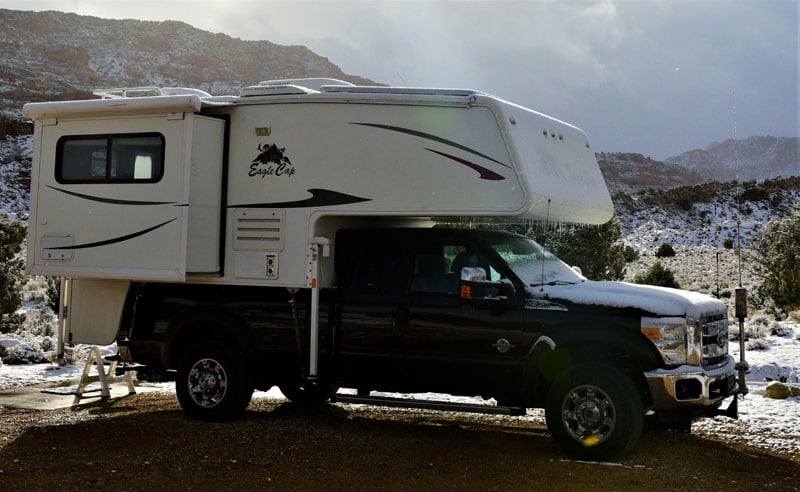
{"points": [[715, 339]]}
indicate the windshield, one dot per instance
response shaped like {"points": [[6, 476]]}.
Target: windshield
{"points": [[532, 263]]}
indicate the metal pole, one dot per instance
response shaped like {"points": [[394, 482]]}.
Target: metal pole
{"points": [[318, 245], [63, 291], [314, 333], [741, 313]]}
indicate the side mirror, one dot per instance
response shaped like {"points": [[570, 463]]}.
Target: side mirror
{"points": [[475, 290]]}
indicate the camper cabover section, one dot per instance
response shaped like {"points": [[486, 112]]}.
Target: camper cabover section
{"points": [[126, 189], [303, 159]]}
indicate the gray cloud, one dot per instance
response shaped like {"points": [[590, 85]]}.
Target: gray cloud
{"points": [[656, 77]]}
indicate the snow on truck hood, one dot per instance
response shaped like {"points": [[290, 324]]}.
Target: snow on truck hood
{"points": [[661, 301]]}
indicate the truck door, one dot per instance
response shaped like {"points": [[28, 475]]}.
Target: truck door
{"points": [[364, 333], [445, 343]]}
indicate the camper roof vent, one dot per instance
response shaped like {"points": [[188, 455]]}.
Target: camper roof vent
{"points": [[274, 90], [311, 83], [147, 91], [408, 91]]}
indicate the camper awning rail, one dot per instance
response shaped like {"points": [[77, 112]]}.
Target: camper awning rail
{"points": [[165, 104]]}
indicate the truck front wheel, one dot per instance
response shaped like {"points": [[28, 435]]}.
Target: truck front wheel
{"points": [[212, 383], [594, 412]]}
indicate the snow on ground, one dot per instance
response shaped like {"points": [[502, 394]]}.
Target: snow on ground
{"points": [[764, 423]]}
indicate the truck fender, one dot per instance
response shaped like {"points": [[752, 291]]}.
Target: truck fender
{"points": [[202, 324], [551, 355], [542, 348]]}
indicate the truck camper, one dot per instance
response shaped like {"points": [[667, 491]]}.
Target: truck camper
{"points": [[285, 236]]}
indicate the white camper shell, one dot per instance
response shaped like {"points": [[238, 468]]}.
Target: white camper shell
{"points": [[180, 186]]}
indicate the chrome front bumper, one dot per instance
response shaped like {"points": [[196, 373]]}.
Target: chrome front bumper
{"points": [[688, 387]]}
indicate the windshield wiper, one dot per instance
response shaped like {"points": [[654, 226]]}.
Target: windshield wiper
{"points": [[554, 282]]}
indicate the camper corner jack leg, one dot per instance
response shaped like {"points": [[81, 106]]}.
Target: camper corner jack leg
{"points": [[318, 246]]}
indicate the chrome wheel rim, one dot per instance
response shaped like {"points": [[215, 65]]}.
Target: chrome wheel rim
{"points": [[588, 414], [208, 383]]}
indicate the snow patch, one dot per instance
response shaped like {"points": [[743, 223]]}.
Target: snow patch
{"points": [[662, 301]]}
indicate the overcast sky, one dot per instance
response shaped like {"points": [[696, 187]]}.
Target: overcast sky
{"points": [[655, 77]]}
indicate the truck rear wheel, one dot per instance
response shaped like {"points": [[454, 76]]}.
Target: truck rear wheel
{"points": [[594, 412], [212, 383]]}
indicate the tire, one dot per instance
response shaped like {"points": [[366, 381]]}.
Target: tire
{"points": [[594, 412], [212, 382], [309, 393]]}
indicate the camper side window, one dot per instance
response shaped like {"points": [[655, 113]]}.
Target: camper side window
{"points": [[126, 158]]}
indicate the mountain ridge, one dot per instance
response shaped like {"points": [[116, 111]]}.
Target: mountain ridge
{"points": [[754, 158], [54, 55]]}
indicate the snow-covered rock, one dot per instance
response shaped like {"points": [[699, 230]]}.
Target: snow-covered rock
{"points": [[780, 391]]}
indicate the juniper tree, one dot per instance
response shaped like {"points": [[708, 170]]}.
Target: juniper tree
{"points": [[12, 234], [658, 275], [776, 259], [594, 248]]}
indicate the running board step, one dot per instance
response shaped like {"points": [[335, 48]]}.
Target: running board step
{"points": [[428, 404]]}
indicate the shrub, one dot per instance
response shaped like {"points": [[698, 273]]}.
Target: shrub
{"points": [[12, 234], [728, 243], [630, 254], [757, 344], [777, 261], [53, 292], [777, 329], [665, 251], [27, 349], [658, 275]]}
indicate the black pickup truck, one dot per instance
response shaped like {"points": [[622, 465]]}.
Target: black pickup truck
{"points": [[460, 312]]}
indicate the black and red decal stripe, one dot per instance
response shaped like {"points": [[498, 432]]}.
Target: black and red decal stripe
{"points": [[115, 240], [113, 201], [485, 173], [319, 198]]}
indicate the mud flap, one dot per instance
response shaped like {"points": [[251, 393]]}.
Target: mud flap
{"points": [[731, 412]]}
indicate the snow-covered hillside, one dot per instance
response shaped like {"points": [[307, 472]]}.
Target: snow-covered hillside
{"points": [[15, 175], [704, 215], [60, 55]]}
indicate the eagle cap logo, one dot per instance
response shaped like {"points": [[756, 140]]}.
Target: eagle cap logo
{"points": [[271, 161]]}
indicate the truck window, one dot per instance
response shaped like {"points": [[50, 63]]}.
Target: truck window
{"points": [[437, 268], [375, 274], [126, 158]]}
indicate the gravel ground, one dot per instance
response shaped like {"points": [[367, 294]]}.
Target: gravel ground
{"points": [[144, 442]]}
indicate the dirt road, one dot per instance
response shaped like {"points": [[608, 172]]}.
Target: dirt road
{"points": [[144, 442]]}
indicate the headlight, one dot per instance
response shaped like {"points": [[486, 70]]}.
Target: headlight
{"points": [[673, 337]]}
